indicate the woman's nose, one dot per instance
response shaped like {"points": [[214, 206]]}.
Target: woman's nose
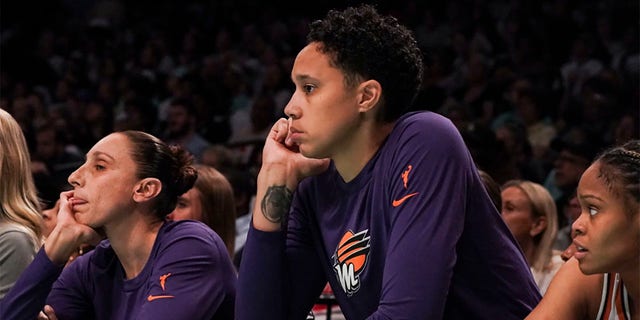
{"points": [[291, 110], [74, 178], [577, 227]]}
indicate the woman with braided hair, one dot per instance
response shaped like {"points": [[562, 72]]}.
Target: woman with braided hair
{"points": [[603, 276]]}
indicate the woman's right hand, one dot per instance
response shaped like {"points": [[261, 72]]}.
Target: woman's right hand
{"points": [[283, 167], [68, 235], [280, 152]]}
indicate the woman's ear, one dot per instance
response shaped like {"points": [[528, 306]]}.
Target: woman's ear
{"points": [[147, 189], [370, 93], [539, 225]]}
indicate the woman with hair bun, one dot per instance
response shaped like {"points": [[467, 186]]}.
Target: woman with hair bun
{"points": [[147, 267]]}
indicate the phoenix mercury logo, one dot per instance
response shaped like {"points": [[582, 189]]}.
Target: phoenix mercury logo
{"points": [[350, 259]]}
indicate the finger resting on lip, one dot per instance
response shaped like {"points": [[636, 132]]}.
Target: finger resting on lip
{"points": [[289, 142], [280, 124], [282, 130]]}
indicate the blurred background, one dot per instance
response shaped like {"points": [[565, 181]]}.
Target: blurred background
{"points": [[522, 80]]}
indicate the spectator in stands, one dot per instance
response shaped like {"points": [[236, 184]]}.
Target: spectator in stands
{"points": [[54, 159], [493, 189], [20, 221], [181, 127], [218, 156], [244, 191], [210, 201], [531, 215], [574, 153]]}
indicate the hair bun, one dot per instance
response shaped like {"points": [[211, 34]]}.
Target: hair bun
{"points": [[186, 174]]}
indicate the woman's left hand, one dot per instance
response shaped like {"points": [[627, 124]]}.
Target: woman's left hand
{"points": [[47, 314]]}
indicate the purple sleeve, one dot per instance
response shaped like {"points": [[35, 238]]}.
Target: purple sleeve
{"points": [[28, 295], [427, 224], [276, 282], [68, 296], [195, 274]]}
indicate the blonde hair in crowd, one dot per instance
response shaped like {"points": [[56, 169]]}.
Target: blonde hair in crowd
{"points": [[542, 204], [218, 205], [18, 198]]}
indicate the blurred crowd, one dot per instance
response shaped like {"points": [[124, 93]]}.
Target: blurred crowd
{"points": [[536, 88]]}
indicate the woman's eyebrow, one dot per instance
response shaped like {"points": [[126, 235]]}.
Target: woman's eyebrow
{"points": [[99, 153]]}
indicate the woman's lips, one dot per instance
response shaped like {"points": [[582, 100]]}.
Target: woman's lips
{"points": [[77, 201], [295, 135], [581, 251]]}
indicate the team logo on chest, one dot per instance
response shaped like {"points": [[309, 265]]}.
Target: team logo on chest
{"points": [[350, 258]]}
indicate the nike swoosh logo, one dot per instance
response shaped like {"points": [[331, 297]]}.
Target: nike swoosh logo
{"points": [[151, 298], [398, 202]]}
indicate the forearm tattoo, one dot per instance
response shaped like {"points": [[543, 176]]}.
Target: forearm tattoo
{"points": [[275, 204]]}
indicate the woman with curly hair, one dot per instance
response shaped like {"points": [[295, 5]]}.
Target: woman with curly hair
{"points": [[384, 204]]}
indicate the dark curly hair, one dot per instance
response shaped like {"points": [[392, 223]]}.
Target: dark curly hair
{"points": [[620, 171], [171, 164], [365, 44]]}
